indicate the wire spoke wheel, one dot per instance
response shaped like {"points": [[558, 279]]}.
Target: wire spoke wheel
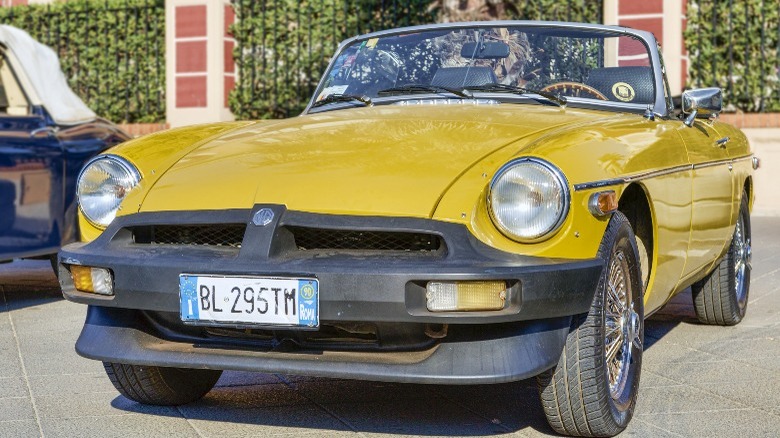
{"points": [[742, 262], [592, 390], [622, 325]]}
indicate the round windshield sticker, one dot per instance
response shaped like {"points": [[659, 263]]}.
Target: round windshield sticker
{"points": [[623, 92]]}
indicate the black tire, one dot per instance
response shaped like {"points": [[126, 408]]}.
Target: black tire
{"points": [[161, 386], [721, 297], [583, 395]]}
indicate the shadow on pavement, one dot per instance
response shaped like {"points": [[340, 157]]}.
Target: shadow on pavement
{"points": [[259, 400], [361, 406], [27, 283], [679, 310]]}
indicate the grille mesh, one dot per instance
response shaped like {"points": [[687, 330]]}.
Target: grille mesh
{"points": [[228, 235], [323, 239]]}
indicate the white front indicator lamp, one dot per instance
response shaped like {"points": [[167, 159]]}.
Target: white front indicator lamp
{"points": [[528, 199], [465, 296]]}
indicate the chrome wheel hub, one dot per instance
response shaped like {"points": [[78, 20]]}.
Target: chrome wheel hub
{"points": [[742, 261], [623, 325]]}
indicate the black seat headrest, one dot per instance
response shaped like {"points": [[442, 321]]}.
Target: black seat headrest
{"points": [[624, 84]]}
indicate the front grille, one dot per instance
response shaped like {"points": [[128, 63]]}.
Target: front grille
{"points": [[227, 235], [329, 336], [309, 239]]}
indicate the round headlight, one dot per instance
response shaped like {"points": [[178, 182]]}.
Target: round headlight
{"points": [[102, 186], [528, 199]]}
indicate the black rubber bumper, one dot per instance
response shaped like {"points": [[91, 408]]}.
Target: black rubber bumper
{"points": [[471, 354], [521, 340]]}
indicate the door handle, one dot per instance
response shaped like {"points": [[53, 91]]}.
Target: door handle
{"points": [[48, 130], [722, 142]]}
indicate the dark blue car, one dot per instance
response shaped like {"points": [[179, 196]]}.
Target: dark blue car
{"points": [[46, 136]]}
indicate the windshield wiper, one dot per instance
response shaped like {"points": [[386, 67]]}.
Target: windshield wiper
{"points": [[418, 89], [334, 98], [503, 88]]}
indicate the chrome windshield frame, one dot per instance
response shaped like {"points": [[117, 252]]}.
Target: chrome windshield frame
{"points": [[659, 106]]}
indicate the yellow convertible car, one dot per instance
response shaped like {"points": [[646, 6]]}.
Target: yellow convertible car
{"points": [[463, 203]]}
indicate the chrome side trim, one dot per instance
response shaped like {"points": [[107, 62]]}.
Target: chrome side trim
{"points": [[745, 158], [711, 164], [656, 173], [631, 178]]}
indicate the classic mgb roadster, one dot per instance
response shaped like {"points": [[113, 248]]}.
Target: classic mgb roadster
{"points": [[458, 204]]}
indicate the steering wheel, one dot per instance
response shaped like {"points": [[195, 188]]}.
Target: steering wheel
{"points": [[574, 89]]}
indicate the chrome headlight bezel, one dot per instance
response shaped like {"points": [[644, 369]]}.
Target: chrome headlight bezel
{"points": [[131, 173], [556, 175]]}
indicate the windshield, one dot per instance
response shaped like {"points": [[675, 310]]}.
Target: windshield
{"points": [[574, 63]]}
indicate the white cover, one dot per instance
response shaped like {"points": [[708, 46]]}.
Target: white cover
{"points": [[41, 71]]}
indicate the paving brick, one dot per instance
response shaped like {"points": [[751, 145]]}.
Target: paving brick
{"points": [[121, 426], [16, 408], [19, 428]]}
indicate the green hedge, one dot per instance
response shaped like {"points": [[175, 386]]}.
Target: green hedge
{"points": [[113, 52], [734, 45], [283, 46]]}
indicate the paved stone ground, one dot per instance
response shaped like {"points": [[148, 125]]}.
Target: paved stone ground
{"points": [[696, 381]]}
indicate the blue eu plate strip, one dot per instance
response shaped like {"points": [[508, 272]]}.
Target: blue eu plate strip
{"points": [[189, 297]]}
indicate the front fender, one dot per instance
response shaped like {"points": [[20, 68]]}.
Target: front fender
{"points": [[153, 155]]}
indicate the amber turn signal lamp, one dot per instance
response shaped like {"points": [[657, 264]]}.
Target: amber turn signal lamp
{"points": [[603, 203], [465, 296], [92, 280]]}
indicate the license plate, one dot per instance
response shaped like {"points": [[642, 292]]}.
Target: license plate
{"points": [[268, 301]]}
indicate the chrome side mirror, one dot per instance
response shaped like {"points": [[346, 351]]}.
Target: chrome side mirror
{"points": [[701, 102]]}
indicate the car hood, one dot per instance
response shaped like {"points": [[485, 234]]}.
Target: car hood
{"points": [[389, 160]]}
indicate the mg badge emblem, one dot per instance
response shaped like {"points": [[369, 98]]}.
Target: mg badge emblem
{"points": [[263, 217]]}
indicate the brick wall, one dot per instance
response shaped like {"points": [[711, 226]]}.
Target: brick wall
{"points": [[199, 61], [666, 20]]}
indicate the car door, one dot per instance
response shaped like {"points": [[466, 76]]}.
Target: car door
{"points": [[712, 194], [31, 171], [30, 187]]}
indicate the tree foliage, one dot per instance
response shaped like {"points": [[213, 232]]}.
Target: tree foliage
{"points": [[586, 11], [735, 45], [111, 51], [283, 46]]}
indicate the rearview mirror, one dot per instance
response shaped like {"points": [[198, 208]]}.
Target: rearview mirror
{"points": [[485, 50]]}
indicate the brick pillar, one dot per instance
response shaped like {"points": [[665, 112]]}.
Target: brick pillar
{"points": [[666, 20], [199, 67]]}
